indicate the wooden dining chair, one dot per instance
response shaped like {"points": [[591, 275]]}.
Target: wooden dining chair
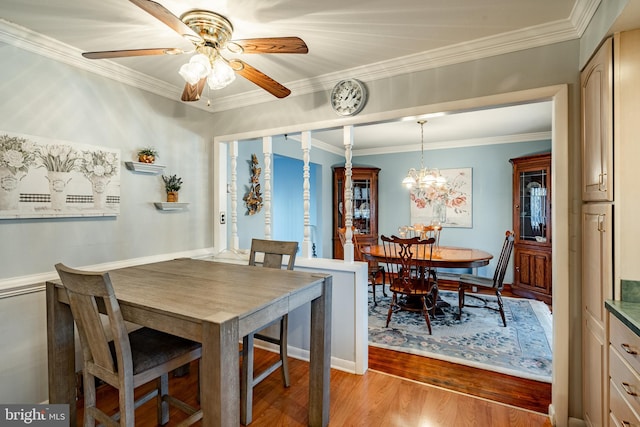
{"points": [[128, 360], [269, 254], [409, 273], [496, 283], [375, 270]]}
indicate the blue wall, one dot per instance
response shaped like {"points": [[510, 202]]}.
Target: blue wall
{"points": [[287, 201], [492, 203]]}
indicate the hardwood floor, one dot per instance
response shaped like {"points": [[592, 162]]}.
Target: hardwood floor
{"points": [[519, 392], [373, 399], [398, 390]]}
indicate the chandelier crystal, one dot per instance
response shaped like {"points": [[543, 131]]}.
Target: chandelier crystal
{"points": [[424, 178]]}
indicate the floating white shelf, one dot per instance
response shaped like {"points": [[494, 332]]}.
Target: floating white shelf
{"points": [[150, 168], [170, 206]]}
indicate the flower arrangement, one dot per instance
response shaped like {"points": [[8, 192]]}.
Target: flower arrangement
{"points": [[17, 154], [147, 155], [172, 183], [58, 158], [98, 163]]}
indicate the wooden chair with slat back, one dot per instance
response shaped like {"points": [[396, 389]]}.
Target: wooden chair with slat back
{"points": [[468, 281], [409, 277], [375, 270], [273, 255], [127, 361]]}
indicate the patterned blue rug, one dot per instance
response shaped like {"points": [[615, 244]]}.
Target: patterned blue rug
{"points": [[522, 349]]}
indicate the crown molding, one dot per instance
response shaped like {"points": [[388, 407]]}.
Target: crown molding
{"points": [[527, 38], [444, 145], [320, 145], [582, 13], [463, 143], [42, 45]]}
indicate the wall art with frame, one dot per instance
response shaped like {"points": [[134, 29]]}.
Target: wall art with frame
{"points": [[450, 206], [45, 178]]}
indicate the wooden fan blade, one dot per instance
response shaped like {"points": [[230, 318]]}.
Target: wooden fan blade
{"points": [[271, 45], [131, 52], [161, 13], [259, 78], [193, 92]]}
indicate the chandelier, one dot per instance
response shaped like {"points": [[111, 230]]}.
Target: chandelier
{"points": [[424, 178], [207, 63]]}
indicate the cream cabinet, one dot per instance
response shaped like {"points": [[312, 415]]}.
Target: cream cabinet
{"points": [[596, 86], [597, 286], [624, 369], [597, 112], [610, 90]]}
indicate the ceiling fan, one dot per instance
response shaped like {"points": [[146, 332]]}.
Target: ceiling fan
{"points": [[211, 33]]}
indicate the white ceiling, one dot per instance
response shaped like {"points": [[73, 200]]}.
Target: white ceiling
{"points": [[366, 39]]}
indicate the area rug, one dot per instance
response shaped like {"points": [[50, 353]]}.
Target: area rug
{"points": [[521, 349]]}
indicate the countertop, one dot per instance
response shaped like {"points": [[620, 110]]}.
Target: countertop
{"points": [[627, 312]]}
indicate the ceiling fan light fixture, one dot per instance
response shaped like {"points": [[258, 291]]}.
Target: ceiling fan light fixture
{"points": [[210, 32], [221, 75], [196, 69]]}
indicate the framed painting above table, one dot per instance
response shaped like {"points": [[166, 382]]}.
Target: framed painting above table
{"points": [[450, 205]]}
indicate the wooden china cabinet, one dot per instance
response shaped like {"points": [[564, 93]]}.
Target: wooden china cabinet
{"points": [[532, 226], [364, 207]]}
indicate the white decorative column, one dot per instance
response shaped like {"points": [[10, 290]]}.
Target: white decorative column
{"points": [[233, 152], [267, 150], [307, 244], [348, 193]]}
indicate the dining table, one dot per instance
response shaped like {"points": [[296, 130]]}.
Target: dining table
{"points": [[215, 304], [443, 257]]}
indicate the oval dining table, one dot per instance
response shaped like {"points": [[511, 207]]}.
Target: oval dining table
{"points": [[443, 257]]}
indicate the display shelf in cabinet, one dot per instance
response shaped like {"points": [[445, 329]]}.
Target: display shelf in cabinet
{"points": [[170, 206], [364, 181], [148, 168], [532, 226]]}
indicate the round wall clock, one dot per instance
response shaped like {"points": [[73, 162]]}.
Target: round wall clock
{"points": [[348, 97]]}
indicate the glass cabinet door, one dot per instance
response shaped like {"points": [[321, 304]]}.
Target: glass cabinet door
{"points": [[533, 205], [362, 206], [532, 199]]}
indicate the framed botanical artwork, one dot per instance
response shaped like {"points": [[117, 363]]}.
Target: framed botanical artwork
{"points": [[44, 178], [450, 205]]}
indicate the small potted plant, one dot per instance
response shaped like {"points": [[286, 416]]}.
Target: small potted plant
{"points": [[172, 184], [147, 155]]}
